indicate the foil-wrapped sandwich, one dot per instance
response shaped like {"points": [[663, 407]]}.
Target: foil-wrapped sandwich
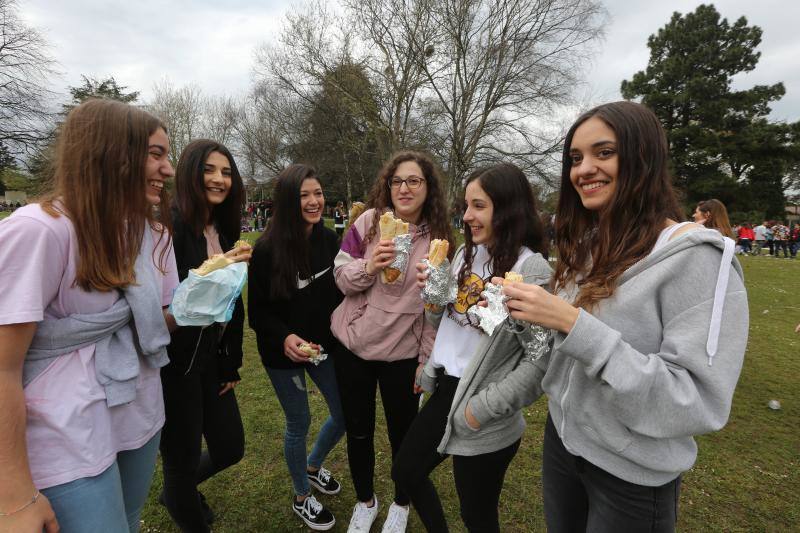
{"points": [[394, 229], [441, 287], [495, 312], [314, 351]]}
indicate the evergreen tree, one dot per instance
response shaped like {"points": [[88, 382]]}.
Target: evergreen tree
{"points": [[94, 88], [722, 144]]}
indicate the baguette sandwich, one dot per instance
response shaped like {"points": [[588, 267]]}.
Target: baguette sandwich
{"points": [[215, 262], [437, 253], [390, 228]]}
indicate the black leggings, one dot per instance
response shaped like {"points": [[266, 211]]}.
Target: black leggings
{"points": [[579, 496], [478, 478], [358, 379], [195, 410]]}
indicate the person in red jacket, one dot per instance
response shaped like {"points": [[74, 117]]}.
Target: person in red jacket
{"points": [[746, 237]]}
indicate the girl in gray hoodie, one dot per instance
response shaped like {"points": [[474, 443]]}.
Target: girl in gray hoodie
{"points": [[650, 319], [479, 383]]}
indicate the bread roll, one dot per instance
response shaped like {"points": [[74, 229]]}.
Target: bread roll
{"points": [[308, 349], [437, 253], [512, 277], [215, 262]]}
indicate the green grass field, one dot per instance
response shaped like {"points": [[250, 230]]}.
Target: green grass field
{"points": [[4, 214], [745, 478]]}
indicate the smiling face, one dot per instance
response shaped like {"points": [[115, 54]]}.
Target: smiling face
{"points": [[408, 202], [157, 169], [217, 178], [312, 201], [595, 163], [478, 215]]}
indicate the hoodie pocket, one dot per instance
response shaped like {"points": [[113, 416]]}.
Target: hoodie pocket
{"points": [[608, 432]]}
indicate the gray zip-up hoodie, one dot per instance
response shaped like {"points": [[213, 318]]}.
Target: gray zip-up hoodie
{"points": [[498, 382], [654, 364]]}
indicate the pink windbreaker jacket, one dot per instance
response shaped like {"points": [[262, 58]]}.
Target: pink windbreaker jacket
{"points": [[377, 321]]}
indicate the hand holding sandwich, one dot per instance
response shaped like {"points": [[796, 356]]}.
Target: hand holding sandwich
{"points": [[382, 257], [241, 251], [535, 305], [296, 348]]}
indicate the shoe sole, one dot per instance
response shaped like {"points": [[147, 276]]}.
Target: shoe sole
{"points": [[312, 525], [322, 489]]}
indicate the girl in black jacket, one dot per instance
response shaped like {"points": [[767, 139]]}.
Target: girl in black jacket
{"points": [[198, 382], [290, 300]]}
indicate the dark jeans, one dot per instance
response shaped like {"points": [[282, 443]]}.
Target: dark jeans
{"points": [[478, 478], [781, 245], [195, 410], [358, 380], [745, 244], [578, 496]]}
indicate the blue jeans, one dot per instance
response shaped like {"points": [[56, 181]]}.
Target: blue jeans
{"points": [[290, 387], [110, 502]]}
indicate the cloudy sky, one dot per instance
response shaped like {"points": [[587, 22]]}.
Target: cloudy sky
{"points": [[211, 43]]}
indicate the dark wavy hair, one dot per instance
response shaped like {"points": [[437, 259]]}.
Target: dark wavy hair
{"points": [[434, 209], [600, 246], [515, 219], [285, 236], [190, 192]]}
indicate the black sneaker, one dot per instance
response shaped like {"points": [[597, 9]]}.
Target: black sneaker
{"points": [[313, 513], [323, 481]]}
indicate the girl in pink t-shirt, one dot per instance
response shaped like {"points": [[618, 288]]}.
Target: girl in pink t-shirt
{"points": [[75, 253]]}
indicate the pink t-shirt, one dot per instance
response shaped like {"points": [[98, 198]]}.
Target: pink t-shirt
{"points": [[71, 431]]}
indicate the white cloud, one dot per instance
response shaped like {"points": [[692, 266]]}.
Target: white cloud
{"points": [[212, 43]]}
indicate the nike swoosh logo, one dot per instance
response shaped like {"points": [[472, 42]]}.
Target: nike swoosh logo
{"points": [[303, 283]]}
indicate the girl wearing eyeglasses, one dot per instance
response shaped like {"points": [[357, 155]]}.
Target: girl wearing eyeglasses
{"points": [[381, 326], [478, 383]]}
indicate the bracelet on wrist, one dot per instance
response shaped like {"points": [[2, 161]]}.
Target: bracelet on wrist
{"points": [[24, 506]]}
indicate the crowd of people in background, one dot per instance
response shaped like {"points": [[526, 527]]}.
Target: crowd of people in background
{"points": [[10, 206], [775, 236]]}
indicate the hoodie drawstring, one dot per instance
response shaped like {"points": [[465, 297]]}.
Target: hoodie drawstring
{"points": [[719, 299]]}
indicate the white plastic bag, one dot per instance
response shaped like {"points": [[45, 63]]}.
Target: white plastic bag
{"points": [[203, 300]]}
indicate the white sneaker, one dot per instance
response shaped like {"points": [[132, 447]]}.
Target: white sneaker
{"points": [[396, 519], [363, 516]]}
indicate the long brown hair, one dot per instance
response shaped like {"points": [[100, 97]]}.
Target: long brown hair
{"points": [[515, 219], [600, 246], [99, 184], [434, 209], [285, 236], [190, 191], [716, 216]]}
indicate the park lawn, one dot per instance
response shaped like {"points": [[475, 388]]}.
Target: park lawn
{"points": [[745, 478], [4, 214]]}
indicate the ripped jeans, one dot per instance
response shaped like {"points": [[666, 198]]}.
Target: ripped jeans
{"points": [[290, 387]]}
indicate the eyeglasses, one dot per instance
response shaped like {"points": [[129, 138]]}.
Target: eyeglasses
{"points": [[413, 182]]}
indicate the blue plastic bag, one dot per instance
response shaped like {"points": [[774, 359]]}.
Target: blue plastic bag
{"points": [[203, 300]]}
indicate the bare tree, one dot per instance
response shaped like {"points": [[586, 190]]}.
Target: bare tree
{"points": [[219, 117], [335, 113], [265, 128], [181, 110], [25, 68], [398, 35], [499, 68]]}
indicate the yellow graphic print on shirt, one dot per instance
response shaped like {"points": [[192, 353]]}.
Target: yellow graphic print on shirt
{"points": [[468, 294]]}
